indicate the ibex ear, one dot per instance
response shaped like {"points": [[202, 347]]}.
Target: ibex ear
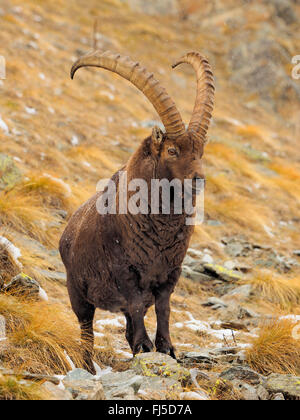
{"points": [[157, 137]]}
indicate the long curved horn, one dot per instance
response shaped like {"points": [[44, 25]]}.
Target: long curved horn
{"points": [[143, 80], [205, 92]]}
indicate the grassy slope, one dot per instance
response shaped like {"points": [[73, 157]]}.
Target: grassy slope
{"points": [[39, 54]]}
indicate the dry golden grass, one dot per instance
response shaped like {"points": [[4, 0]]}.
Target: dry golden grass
{"points": [[282, 291], [24, 213], [8, 266], [12, 390], [275, 350], [40, 335], [51, 191]]}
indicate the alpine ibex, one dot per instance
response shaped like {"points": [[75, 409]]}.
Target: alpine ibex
{"points": [[124, 262]]}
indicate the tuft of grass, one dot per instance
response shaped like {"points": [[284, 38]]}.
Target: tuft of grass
{"points": [[12, 390], [51, 191], [275, 350], [8, 266], [41, 335], [25, 214], [284, 292]]}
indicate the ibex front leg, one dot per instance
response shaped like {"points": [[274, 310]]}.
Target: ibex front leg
{"points": [[140, 340], [162, 308]]}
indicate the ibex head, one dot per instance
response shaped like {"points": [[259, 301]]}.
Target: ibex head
{"points": [[178, 152]]}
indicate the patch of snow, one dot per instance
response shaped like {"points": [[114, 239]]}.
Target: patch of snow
{"points": [[51, 110], [4, 126], [107, 94], [43, 295], [207, 259], [2, 328], [13, 250], [69, 360], [66, 187], [61, 386], [220, 334], [124, 353], [30, 111], [115, 322], [17, 159], [294, 318], [42, 76], [268, 231], [101, 372], [233, 121], [75, 140], [98, 334]]}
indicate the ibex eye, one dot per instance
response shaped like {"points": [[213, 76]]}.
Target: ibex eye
{"points": [[172, 151]]}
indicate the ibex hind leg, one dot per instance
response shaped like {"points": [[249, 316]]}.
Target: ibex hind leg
{"points": [[85, 313]]}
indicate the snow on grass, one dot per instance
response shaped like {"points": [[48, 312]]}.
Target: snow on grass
{"points": [[124, 353], [43, 295], [69, 360], [101, 372], [12, 249], [202, 326], [115, 322], [30, 111], [3, 126], [294, 318], [59, 181], [2, 328]]}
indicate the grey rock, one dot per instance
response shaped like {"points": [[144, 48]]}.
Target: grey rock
{"points": [[121, 385], [215, 223], [222, 273], [23, 285], [2, 328], [10, 175], [158, 387], [34, 377], [154, 7], [278, 397], [201, 277], [78, 375], [215, 303], [247, 391], [80, 384], [243, 374], [188, 260], [97, 394], [211, 356], [284, 10], [235, 249], [198, 357], [56, 276], [194, 395], [287, 385], [158, 364], [243, 292], [262, 393], [56, 394], [297, 252], [244, 313], [259, 66], [194, 253]]}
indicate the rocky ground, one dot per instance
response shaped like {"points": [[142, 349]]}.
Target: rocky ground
{"points": [[235, 312]]}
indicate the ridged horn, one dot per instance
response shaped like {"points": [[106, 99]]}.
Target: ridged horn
{"points": [[143, 80], [205, 92]]}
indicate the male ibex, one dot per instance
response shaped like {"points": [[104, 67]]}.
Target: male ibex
{"points": [[124, 262]]}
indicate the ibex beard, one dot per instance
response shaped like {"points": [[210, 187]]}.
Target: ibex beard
{"points": [[128, 261]]}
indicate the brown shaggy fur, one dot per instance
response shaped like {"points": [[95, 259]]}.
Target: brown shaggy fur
{"points": [[126, 263]]}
